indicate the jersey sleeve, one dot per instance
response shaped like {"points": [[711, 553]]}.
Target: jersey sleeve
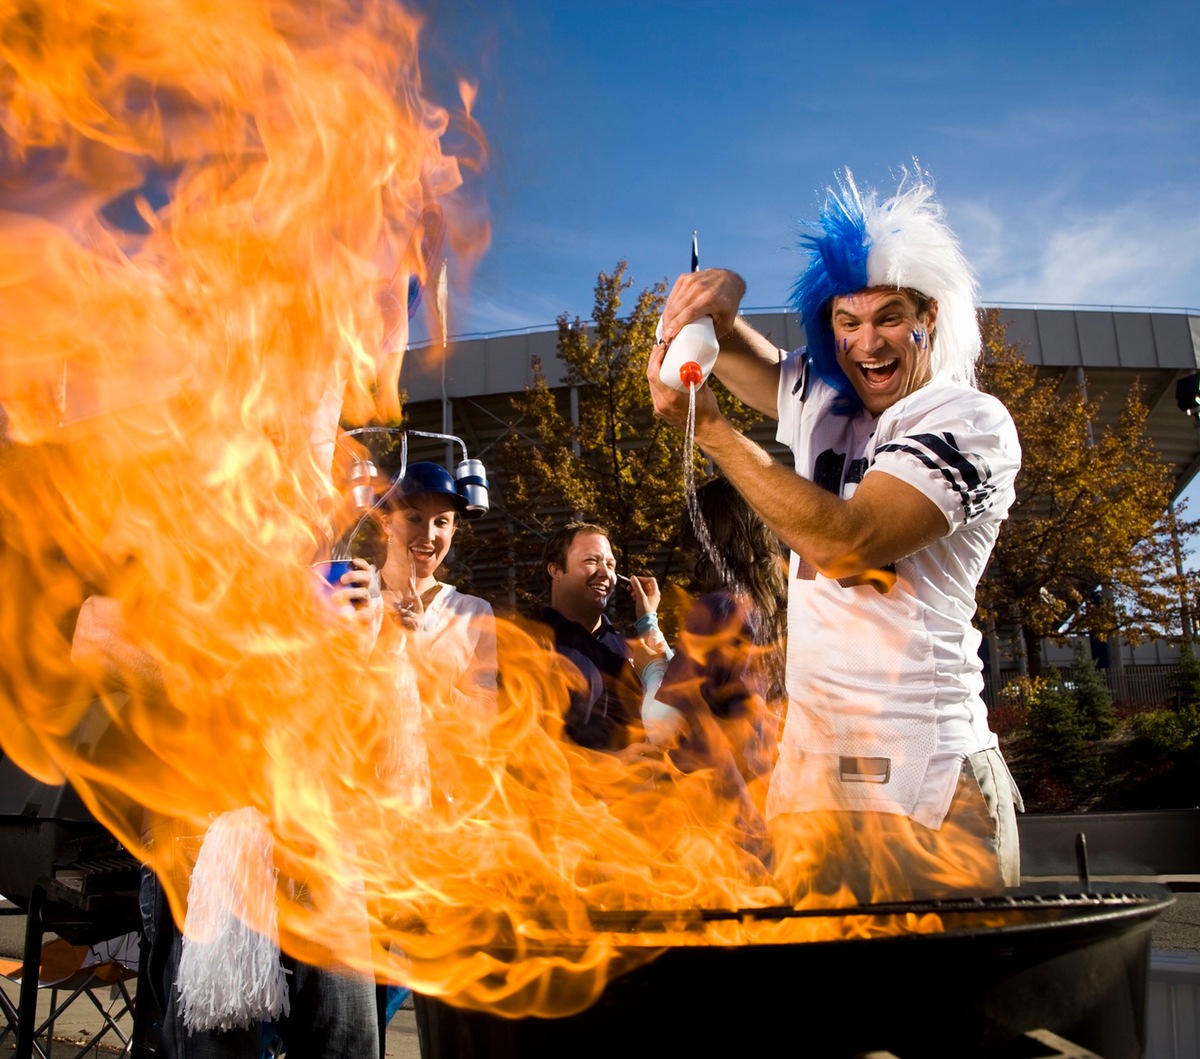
{"points": [[959, 448], [793, 374]]}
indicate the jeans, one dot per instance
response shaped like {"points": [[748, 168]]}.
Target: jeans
{"points": [[333, 1013]]}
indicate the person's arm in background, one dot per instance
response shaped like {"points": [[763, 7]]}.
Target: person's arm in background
{"points": [[102, 648]]}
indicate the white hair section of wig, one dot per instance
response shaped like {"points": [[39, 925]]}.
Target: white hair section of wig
{"points": [[910, 245]]}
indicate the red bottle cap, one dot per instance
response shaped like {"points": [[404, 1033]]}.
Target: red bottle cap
{"points": [[690, 374]]}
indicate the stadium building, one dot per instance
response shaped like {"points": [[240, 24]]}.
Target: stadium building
{"points": [[468, 390]]}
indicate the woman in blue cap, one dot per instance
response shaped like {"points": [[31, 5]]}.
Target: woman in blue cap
{"points": [[450, 641], [455, 633]]}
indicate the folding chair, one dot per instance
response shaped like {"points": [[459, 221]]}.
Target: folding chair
{"points": [[71, 973], [83, 921]]}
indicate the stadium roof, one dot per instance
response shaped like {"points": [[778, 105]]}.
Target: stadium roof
{"points": [[466, 392]]}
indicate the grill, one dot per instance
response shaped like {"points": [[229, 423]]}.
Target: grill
{"points": [[58, 861], [1074, 963], [67, 874]]}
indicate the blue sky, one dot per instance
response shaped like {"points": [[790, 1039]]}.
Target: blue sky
{"points": [[1064, 139]]}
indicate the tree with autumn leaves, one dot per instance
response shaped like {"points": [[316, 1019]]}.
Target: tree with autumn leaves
{"points": [[1088, 547], [592, 447]]}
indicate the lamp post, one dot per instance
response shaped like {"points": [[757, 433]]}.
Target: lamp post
{"points": [[1187, 397]]}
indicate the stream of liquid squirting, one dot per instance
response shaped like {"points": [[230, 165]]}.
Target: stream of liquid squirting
{"points": [[689, 489]]}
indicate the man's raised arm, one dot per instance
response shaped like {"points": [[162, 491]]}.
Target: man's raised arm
{"points": [[885, 520]]}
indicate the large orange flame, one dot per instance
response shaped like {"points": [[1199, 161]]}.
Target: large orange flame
{"points": [[211, 216]]}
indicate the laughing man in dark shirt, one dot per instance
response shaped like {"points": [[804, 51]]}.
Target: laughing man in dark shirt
{"points": [[583, 575]]}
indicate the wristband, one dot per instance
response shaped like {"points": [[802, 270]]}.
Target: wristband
{"points": [[646, 622]]}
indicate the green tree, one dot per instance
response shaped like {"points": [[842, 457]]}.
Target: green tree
{"points": [[1185, 683], [1093, 700], [1057, 740], [1175, 730], [592, 447], [1087, 546]]}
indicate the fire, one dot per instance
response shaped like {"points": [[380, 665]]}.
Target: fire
{"points": [[212, 216]]}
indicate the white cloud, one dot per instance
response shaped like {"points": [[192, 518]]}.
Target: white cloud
{"points": [[1143, 252]]}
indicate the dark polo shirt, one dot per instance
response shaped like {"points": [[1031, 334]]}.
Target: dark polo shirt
{"points": [[600, 716]]}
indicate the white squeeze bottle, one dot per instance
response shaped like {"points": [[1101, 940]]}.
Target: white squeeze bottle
{"points": [[691, 354]]}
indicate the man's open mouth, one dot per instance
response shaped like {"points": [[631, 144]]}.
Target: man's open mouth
{"points": [[879, 371]]}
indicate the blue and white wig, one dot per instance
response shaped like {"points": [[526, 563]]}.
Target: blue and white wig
{"points": [[904, 241]]}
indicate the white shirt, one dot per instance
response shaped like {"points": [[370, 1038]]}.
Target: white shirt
{"points": [[459, 634], [884, 686], [457, 645]]}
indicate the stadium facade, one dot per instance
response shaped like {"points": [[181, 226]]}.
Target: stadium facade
{"points": [[467, 389]]}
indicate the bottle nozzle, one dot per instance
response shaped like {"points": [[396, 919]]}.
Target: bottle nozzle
{"points": [[691, 374]]}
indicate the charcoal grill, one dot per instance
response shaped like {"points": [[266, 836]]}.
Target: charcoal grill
{"points": [[68, 875], [1072, 961]]}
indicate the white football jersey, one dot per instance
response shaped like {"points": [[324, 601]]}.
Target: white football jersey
{"points": [[883, 671]]}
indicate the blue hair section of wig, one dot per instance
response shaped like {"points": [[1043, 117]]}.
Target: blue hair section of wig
{"points": [[837, 252]]}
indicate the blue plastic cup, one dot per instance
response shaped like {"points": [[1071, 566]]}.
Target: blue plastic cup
{"points": [[332, 570]]}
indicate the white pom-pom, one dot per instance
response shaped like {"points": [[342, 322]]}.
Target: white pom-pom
{"points": [[230, 975]]}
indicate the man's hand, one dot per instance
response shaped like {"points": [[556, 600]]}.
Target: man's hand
{"points": [[644, 653], [649, 755], [671, 404], [715, 292], [646, 594]]}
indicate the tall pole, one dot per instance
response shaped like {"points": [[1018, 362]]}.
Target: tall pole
{"points": [[1116, 654], [1185, 608], [443, 311]]}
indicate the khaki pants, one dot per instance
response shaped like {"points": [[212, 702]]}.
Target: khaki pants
{"points": [[863, 858]]}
